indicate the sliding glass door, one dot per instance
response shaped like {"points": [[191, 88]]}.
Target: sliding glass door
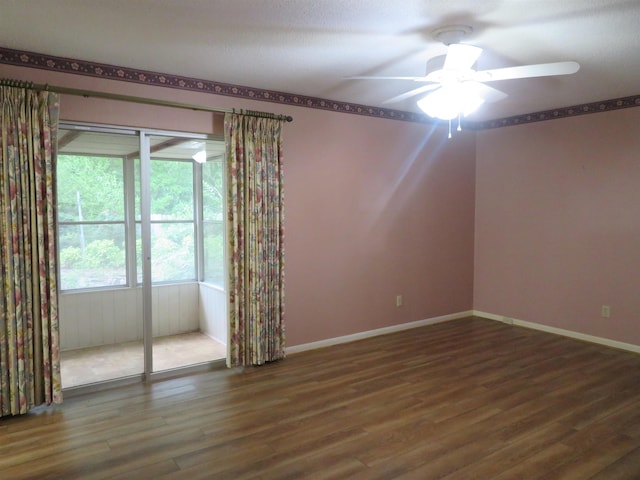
{"points": [[141, 251]]}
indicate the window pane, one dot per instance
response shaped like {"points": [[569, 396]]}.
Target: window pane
{"points": [[172, 252], [171, 190], [92, 256], [89, 188], [212, 190], [172, 199], [213, 226], [214, 252]]}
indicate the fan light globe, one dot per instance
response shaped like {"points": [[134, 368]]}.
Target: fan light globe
{"points": [[450, 101], [438, 105]]}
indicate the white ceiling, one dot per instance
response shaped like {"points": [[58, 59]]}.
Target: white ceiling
{"points": [[308, 47]]}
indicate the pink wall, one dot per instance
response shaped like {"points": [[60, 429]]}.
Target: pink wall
{"points": [[374, 207], [558, 223]]}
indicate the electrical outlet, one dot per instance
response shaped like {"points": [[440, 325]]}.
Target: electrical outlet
{"points": [[398, 300], [605, 311]]}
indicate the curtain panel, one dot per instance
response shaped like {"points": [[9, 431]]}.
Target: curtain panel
{"points": [[29, 342], [255, 239]]}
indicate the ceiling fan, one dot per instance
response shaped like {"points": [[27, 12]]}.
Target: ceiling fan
{"points": [[456, 88]]}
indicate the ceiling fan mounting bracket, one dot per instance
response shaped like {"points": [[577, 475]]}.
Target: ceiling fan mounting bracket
{"points": [[451, 33]]}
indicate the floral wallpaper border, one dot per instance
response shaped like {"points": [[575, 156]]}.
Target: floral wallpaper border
{"points": [[112, 72], [572, 111]]}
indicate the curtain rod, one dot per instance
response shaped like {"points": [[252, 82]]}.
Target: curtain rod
{"points": [[133, 99]]}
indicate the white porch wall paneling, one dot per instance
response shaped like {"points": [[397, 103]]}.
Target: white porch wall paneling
{"points": [[213, 312], [112, 316]]}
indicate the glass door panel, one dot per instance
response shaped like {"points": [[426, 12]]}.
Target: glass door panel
{"points": [[175, 244], [100, 321]]}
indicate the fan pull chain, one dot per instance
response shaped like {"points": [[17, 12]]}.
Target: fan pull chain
{"points": [[459, 127], [449, 128]]}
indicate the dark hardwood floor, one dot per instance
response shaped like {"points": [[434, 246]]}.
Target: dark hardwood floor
{"points": [[467, 399]]}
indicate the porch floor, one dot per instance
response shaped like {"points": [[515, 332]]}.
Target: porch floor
{"points": [[108, 362]]}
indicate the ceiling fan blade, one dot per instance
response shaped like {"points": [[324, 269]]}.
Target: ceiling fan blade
{"points": [[461, 56], [411, 93], [527, 71], [415, 79], [489, 94]]}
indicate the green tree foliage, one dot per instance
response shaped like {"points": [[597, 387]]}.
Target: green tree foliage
{"points": [[70, 257], [103, 254], [173, 258], [91, 187], [171, 189]]}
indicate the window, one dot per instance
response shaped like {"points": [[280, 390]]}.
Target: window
{"points": [[172, 221], [213, 221], [99, 221]]}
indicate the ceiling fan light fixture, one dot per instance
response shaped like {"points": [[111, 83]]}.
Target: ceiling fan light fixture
{"points": [[439, 105], [450, 101]]}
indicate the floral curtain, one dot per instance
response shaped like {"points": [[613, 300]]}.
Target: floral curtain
{"points": [[255, 239], [29, 352]]}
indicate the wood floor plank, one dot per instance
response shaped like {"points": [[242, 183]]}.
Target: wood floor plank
{"points": [[513, 453], [626, 467], [534, 466], [587, 463], [459, 400], [149, 472]]}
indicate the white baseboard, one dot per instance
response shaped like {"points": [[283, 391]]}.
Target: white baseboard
{"points": [[559, 331], [374, 333], [214, 338]]}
